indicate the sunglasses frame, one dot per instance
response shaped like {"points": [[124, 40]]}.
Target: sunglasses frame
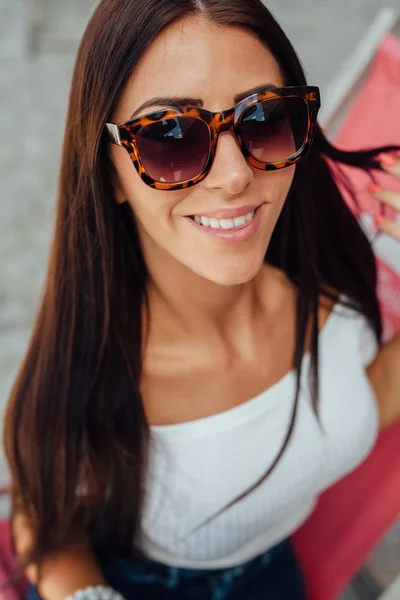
{"points": [[124, 134]]}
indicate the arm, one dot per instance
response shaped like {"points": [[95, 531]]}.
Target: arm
{"points": [[68, 572], [384, 372], [384, 375], [63, 573]]}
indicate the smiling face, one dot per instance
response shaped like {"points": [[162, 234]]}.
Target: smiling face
{"points": [[220, 228]]}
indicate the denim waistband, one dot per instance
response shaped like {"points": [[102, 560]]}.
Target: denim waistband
{"points": [[172, 575]]}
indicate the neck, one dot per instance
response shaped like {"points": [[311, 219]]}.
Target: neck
{"points": [[182, 303]]}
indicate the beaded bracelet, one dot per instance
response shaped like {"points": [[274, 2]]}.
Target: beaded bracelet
{"points": [[99, 592]]}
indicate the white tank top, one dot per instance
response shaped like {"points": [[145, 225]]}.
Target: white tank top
{"points": [[198, 467]]}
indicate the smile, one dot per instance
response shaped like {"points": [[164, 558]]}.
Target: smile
{"points": [[232, 230], [215, 223]]}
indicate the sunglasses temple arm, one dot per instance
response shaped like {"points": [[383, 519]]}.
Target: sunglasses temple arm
{"points": [[113, 134]]}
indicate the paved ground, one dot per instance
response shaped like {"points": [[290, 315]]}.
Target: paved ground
{"points": [[35, 70]]}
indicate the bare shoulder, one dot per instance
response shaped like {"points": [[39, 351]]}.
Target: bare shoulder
{"points": [[286, 294]]}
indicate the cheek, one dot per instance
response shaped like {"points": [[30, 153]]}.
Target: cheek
{"points": [[284, 182], [152, 208], [127, 176], [129, 185], [274, 186]]}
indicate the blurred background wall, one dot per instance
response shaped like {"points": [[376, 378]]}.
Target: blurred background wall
{"points": [[38, 42]]}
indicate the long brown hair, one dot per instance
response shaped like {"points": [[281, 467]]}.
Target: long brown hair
{"points": [[76, 434]]}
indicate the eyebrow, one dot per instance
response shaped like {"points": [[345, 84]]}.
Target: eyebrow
{"points": [[178, 102]]}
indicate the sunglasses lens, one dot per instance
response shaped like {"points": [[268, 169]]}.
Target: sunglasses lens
{"points": [[274, 130], [174, 150]]}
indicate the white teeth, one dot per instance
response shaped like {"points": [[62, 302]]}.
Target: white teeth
{"points": [[224, 223], [238, 221], [214, 223]]}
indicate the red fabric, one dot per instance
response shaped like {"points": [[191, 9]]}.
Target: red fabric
{"points": [[353, 515]]}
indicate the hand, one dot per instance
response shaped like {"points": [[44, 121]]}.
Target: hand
{"points": [[63, 572], [391, 164], [23, 538]]}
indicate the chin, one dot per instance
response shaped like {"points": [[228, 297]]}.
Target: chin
{"points": [[234, 275]]}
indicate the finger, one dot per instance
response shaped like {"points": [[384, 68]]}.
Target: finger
{"points": [[391, 163], [388, 197], [389, 227]]}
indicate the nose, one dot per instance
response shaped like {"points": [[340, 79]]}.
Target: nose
{"points": [[230, 173]]}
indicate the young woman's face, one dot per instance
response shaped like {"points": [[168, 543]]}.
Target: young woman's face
{"points": [[197, 60]]}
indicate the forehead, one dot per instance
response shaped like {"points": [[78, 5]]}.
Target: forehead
{"points": [[198, 59]]}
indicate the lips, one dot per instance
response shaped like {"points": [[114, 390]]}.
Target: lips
{"points": [[228, 234]]}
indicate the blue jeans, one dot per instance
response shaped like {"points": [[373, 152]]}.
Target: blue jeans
{"points": [[273, 575]]}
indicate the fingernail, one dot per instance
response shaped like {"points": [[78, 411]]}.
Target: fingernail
{"points": [[388, 159], [379, 220], [373, 188]]}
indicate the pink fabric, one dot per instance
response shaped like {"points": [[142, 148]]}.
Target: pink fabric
{"points": [[352, 516], [17, 592], [374, 120]]}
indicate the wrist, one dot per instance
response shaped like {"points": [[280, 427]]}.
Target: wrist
{"points": [[62, 575], [98, 592]]}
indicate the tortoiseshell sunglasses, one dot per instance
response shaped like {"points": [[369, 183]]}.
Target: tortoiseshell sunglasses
{"points": [[174, 149]]}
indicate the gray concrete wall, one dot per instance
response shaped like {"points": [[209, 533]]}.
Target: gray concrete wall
{"points": [[325, 32]]}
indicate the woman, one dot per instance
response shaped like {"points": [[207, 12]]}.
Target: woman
{"points": [[172, 424]]}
